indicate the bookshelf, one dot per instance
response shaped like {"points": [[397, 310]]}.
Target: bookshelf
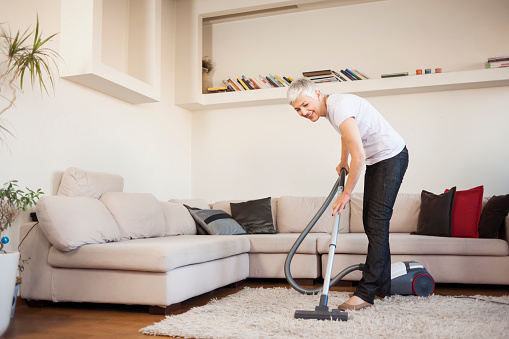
{"points": [[482, 78]]}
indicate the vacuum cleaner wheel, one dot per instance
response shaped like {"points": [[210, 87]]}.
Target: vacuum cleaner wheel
{"points": [[423, 285]]}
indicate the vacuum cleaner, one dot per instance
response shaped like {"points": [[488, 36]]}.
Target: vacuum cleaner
{"points": [[407, 278]]}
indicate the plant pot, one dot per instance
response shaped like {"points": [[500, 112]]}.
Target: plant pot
{"points": [[206, 82], [8, 271]]}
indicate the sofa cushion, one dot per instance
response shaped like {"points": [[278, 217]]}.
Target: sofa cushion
{"points": [[138, 215], [255, 216], [405, 243], [69, 222], [215, 222], [177, 219], [491, 223], [151, 254], [295, 213], [225, 205], [81, 183], [466, 212], [283, 242], [404, 217], [435, 217]]}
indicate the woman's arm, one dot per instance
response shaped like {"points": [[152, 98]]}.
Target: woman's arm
{"points": [[344, 158], [350, 135]]}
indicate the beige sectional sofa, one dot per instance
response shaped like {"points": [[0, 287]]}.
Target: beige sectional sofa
{"points": [[95, 243]]}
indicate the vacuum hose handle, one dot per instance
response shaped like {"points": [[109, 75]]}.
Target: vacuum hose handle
{"points": [[339, 185]]}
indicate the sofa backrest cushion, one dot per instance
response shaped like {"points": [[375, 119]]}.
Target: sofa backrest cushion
{"points": [[404, 217], [69, 222], [295, 213], [138, 215], [177, 218], [197, 203], [225, 206], [80, 183]]}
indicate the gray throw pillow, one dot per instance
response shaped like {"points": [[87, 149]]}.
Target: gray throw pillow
{"points": [[215, 222]]}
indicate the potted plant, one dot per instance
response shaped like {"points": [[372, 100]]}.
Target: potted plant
{"points": [[207, 66], [20, 54], [12, 201], [24, 54]]}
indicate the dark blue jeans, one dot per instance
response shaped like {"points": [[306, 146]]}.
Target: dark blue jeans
{"points": [[381, 185]]}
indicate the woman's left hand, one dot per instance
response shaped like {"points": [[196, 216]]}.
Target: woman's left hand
{"points": [[340, 203]]}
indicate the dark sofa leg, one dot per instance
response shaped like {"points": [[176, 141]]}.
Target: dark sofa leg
{"points": [[35, 303], [158, 310], [305, 281], [237, 284]]}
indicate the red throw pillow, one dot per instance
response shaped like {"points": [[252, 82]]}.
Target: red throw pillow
{"points": [[466, 212]]}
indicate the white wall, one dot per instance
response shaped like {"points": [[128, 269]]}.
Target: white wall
{"points": [[455, 138], [149, 145]]}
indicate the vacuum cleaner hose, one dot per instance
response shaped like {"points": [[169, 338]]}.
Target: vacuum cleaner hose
{"points": [[339, 185]]}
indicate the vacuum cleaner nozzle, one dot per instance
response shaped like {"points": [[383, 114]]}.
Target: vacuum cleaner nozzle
{"points": [[322, 313]]}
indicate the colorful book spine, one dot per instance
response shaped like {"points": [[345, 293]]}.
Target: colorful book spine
{"points": [[358, 75], [264, 80], [499, 58], [273, 81], [248, 83], [347, 75], [317, 73], [217, 89], [281, 81], [230, 88], [258, 82], [352, 74], [254, 84], [241, 82], [233, 84], [365, 77], [339, 76], [498, 64]]}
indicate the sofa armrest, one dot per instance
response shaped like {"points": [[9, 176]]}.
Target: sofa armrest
{"points": [[37, 272]]}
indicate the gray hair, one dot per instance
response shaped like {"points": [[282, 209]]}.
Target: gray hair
{"points": [[302, 87]]}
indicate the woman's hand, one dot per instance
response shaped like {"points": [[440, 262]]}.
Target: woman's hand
{"points": [[341, 166], [340, 203]]}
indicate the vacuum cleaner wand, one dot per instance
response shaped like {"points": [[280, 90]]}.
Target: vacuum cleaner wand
{"points": [[321, 311]]}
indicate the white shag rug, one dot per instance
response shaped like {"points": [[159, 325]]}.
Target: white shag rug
{"points": [[269, 313]]}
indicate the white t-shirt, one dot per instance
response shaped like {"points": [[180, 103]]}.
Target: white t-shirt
{"points": [[379, 139]]}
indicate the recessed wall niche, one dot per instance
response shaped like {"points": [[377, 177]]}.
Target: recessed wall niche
{"points": [[113, 46]]}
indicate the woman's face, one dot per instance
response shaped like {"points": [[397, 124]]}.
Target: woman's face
{"points": [[308, 108]]}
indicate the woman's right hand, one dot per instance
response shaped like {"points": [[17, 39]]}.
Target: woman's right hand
{"points": [[341, 166]]}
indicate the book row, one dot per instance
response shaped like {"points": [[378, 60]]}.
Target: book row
{"points": [[497, 62], [329, 75], [244, 83]]}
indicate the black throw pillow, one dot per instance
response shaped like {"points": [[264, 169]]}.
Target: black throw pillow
{"points": [[436, 214], [254, 215], [491, 224]]}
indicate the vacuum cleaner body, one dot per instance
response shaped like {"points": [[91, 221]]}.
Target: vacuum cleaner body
{"points": [[411, 278]]}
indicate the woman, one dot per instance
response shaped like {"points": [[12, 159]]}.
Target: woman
{"points": [[369, 140]]}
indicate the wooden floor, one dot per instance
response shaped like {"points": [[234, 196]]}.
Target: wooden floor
{"points": [[73, 320]]}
